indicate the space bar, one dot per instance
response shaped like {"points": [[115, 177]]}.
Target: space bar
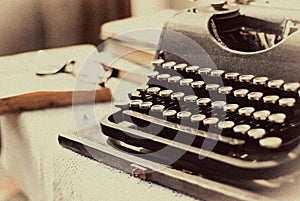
{"points": [[185, 129]]}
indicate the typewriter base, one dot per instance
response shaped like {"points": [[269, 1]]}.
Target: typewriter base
{"points": [[97, 148]]}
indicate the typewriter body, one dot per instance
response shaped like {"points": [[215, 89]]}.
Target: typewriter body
{"points": [[223, 98]]}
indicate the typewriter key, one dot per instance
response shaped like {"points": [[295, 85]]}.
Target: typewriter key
{"points": [[218, 105], [145, 107], [239, 97], [230, 108], [271, 99], [270, 142], [241, 129], [255, 100], [217, 73], [169, 65], [241, 93], [226, 124], [277, 118], [192, 72], [204, 74], [246, 78], [257, 133], [134, 95], [153, 75], [135, 105], [180, 68], [287, 102], [165, 93], [143, 88], [261, 115], [177, 96], [226, 127], [197, 121], [246, 111], [163, 77], [225, 90], [152, 78], [231, 79], [255, 96], [153, 90], [210, 121], [157, 62], [204, 102], [157, 111], [259, 84], [173, 82], [184, 115], [244, 81], [170, 115], [186, 82], [190, 99], [204, 71], [291, 90], [231, 76], [291, 87], [212, 87], [275, 84]]}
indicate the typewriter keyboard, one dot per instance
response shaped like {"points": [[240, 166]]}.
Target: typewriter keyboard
{"points": [[248, 125]]}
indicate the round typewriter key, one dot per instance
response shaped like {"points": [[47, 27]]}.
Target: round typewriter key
{"points": [[163, 77], [153, 90], [197, 121], [157, 62], [218, 104], [178, 96], [186, 82], [246, 111], [217, 73], [192, 69], [275, 84], [231, 108], [261, 115], [180, 67], [241, 93], [246, 78], [257, 133], [212, 87], [198, 118], [165, 93], [204, 102], [157, 108], [170, 115], [190, 99], [135, 104], [145, 106], [291, 87], [134, 95], [231, 76], [184, 115], [174, 79], [225, 90], [241, 129], [210, 121], [277, 118], [157, 111], [271, 99], [169, 65], [270, 142], [153, 75], [204, 71], [197, 84], [287, 102], [260, 80], [256, 96], [143, 88], [225, 124]]}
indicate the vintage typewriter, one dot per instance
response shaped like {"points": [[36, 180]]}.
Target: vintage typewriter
{"points": [[223, 98]]}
